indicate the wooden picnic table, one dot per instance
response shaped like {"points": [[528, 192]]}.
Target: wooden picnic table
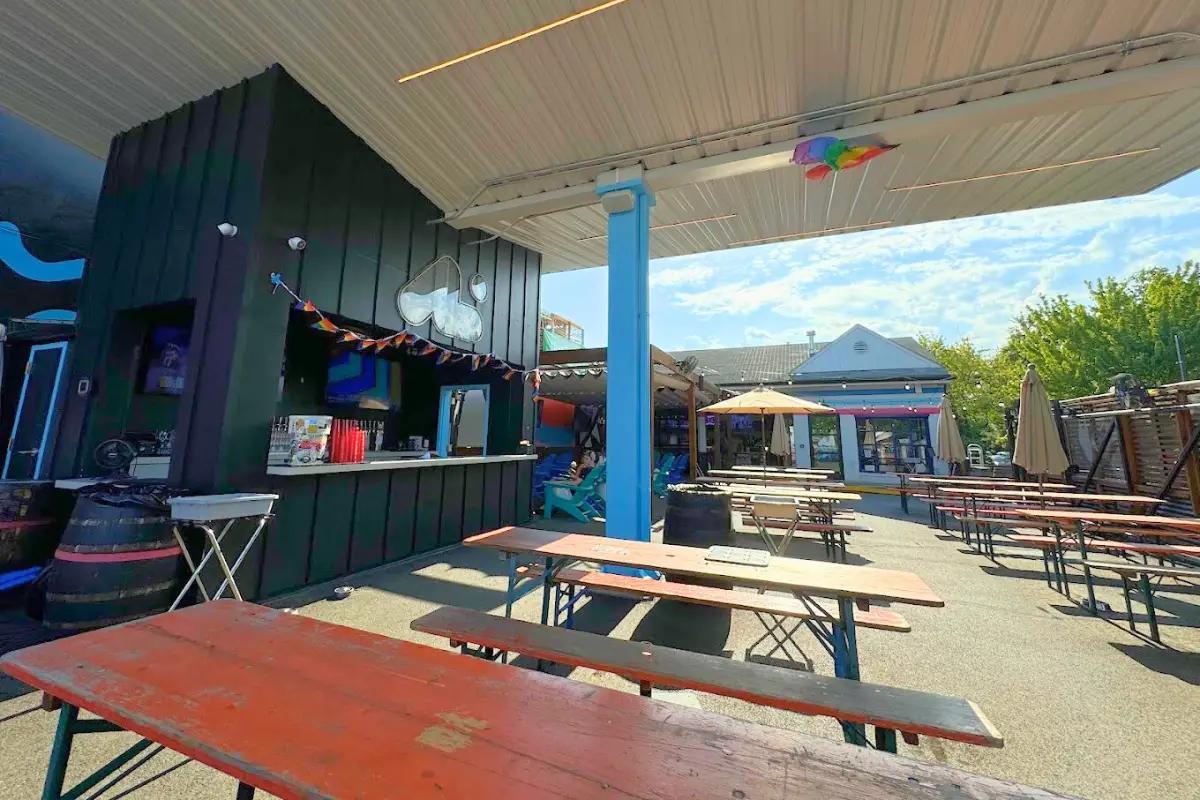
{"points": [[1033, 494], [1189, 524], [819, 578], [751, 468], [1138, 524], [951, 480], [931, 484], [789, 477], [746, 489], [306, 709], [806, 483]]}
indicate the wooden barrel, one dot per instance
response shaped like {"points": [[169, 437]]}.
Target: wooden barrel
{"points": [[118, 561], [698, 516]]}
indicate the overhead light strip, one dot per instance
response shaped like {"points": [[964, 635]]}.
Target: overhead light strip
{"points": [[1029, 171], [512, 40], [664, 226], [812, 234]]}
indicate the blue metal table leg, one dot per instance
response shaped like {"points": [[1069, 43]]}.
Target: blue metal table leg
{"points": [[845, 663]]}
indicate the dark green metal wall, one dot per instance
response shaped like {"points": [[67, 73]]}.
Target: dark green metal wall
{"points": [[266, 156]]}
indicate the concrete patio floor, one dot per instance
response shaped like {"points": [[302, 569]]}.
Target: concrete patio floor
{"points": [[1086, 707]]}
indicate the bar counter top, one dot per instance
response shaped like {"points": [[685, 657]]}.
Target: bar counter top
{"points": [[404, 463]]}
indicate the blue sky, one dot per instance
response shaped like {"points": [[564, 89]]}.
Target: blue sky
{"points": [[957, 278]]}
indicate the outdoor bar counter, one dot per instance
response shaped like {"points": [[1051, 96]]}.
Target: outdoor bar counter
{"points": [[335, 519], [255, 261]]}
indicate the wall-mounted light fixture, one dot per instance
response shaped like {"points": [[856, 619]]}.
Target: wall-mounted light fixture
{"points": [[227, 229], [297, 244]]}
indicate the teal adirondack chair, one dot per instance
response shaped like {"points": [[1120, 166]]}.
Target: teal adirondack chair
{"points": [[582, 500], [661, 473]]}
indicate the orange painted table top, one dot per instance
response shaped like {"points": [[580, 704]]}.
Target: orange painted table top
{"points": [[307, 709], [1036, 495], [1087, 515], [820, 578]]}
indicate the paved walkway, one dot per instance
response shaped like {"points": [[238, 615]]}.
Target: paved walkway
{"points": [[1086, 707]]}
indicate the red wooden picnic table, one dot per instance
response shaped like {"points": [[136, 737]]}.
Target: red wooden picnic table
{"points": [[307, 709], [1139, 524], [1034, 494]]}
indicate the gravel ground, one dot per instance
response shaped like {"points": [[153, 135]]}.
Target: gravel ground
{"points": [[1086, 706]]}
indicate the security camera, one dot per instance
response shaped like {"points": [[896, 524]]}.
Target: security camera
{"points": [[227, 229], [296, 243]]}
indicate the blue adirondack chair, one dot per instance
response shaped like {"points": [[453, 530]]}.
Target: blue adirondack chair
{"points": [[579, 501], [659, 484], [679, 470], [552, 467]]}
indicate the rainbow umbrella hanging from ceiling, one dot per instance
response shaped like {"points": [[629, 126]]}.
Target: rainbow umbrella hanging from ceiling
{"points": [[826, 154]]}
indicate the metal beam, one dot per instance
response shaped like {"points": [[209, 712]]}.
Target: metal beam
{"points": [[1103, 89]]}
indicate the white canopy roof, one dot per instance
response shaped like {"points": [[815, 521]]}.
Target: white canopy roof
{"points": [[710, 95]]}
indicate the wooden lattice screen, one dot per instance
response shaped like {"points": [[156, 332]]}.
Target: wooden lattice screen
{"points": [[1151, 443]]}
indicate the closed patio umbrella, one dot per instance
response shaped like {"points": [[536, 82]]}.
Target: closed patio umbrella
{"points": [[781, 444], [1038, 449], [949, 441], [763, 401]]}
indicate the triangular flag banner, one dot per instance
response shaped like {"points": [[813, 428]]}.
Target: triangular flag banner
{"points": [[428, 348], [306, 306], [366, 343], [325, 325], [444, 356], [508, 375], [349, 336], [475, 362]]}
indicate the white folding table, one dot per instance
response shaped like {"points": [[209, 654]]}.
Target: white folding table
{"points": [[202, 511]]}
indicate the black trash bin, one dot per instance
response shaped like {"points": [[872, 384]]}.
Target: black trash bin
{"points": [[698, 516], [117, 561]]}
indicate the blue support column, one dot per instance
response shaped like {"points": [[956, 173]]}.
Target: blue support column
{"points": [[627, 200]]}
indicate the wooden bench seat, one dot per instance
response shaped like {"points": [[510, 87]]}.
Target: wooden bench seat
{"points": [[1142, 573], [876, 618], [905, 710], [1129, 568], [1071, 543]]}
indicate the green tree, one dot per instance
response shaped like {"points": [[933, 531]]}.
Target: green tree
{"points": [[983, 385], [1126, 326]]}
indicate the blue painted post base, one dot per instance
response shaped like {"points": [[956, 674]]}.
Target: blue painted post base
{"points": [[632, 572]]}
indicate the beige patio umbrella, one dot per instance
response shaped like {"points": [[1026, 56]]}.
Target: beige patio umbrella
{"points": [[949, 441], [1038, 447], [781, 444], [763, 401]]}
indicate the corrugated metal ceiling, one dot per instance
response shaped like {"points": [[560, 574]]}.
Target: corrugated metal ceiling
{"points": [[643, 74]]}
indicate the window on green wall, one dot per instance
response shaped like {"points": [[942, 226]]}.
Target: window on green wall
{"points": [[894, 445]]}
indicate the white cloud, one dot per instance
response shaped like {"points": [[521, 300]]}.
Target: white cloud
{"points": [[959, 277], [694, 273]]}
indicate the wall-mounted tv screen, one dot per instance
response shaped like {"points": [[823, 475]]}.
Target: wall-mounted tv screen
{"points": [[166, 360], [363, 380]]}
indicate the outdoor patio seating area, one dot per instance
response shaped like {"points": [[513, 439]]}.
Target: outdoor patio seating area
{"points": [[1043, 670]]}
